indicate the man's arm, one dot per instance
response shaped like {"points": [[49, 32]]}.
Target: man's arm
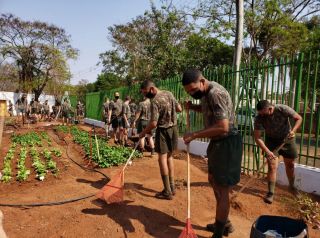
{"points": [[221, 128], [137, 116], [148, 129], [178, 107], [262, 145], [298, 122]]}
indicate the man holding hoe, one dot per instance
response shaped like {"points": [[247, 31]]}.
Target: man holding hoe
{"points": [[225, 147], [163, 116], [275, 121]]}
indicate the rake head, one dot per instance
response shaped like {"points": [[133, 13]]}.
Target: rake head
{"points": [[188, 232], [112, 192]]}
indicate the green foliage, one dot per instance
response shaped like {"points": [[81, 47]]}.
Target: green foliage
{"points": [[7, 171], [45, 136], [204, 51], [56, 152], [30, 138], [150, 46], [38, 165], [272, 28], [23, 172], [51, 164], [110, 156]]}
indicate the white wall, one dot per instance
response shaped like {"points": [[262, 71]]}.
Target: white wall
{"points": [[15, 96], [307, 178]]}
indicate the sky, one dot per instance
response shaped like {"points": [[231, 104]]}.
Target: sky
{"points": [[85, 20]]}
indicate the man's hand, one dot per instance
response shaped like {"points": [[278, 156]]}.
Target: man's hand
{"points": [[187, 105], [271, 156], [133, 125], [142, 134], [291, 134], [188, 137]]}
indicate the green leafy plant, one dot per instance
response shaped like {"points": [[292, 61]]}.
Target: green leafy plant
{"points": [[7, 171], [39, 167], [46, 137], [56, 152], [109, 155], [51, 165], [23, 172], [31, 139]]}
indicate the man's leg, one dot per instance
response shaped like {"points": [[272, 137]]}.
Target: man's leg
{"points": [[222, 222], [151, 143], [164, 171], [271, 176], [289, 163], [171, 173]]}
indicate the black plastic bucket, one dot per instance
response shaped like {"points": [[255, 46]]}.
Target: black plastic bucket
{"points": [[285, 226]]}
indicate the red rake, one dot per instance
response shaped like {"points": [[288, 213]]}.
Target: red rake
{"points": [[112, 192], [188, 232]]}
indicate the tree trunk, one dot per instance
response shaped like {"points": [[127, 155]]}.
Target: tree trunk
{"points": [[238, 50]]}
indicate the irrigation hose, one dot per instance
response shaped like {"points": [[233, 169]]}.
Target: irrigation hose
{"points": [[47, 203]]}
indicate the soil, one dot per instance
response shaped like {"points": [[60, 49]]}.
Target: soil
{"points": [[141, 214]]}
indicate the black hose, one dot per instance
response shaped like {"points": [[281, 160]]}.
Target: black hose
{"points": [[47, 203], [81, 166]]}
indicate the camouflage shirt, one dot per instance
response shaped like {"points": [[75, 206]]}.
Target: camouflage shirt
{"points": [[133, 109], [144, 110], [217, 105], [116, 107], [126, 110], [22, 103], [105, 108], [163, 109], [277, 125], [46, 107]]}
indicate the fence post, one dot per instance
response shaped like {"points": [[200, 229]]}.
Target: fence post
{"points": [[298, 83]]}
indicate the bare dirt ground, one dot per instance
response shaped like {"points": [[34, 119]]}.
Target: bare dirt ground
{"points": [[141, 215]]}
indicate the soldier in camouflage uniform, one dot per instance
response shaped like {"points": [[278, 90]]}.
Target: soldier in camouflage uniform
{"points": [[105, 115], [225, 148], [46, 110], [126, 115], [163, 116], [10, 108], [143, 117], [22, 107], [66, 111], [133, 109], [115, 110], [275, 121]]}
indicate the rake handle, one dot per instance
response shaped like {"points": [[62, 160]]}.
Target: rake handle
{"points": [[134, 150], [188, 166]]}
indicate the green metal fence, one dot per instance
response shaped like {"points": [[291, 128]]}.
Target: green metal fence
{"points": [[293, 81]]}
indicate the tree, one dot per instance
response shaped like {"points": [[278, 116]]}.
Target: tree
{"points": [[203, 51], [272, 27], [8, 77], [39, 51], [106, 81], [151, 46]]}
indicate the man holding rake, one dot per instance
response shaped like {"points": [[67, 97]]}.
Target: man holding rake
{"points": [[275, 121], [225, 147], [163, 116]]}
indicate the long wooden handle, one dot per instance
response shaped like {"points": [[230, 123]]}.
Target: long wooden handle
{"points": [[188, 166], [134, 150], [188, 182]]}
